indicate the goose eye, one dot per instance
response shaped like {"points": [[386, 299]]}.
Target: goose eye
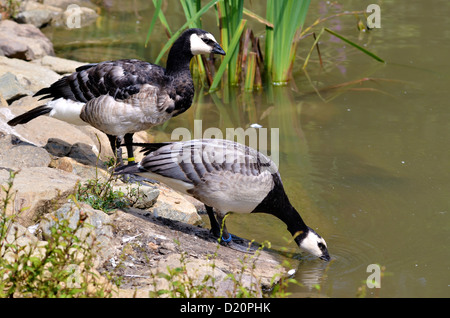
{"points": [[321, 246], [208, 41]]}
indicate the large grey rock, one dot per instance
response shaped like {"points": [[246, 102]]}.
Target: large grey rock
{"points": [[23, 41], [37, 191], [16, 154], [31, 76], [36, 13]]}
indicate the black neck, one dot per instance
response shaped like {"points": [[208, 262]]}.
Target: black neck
{"points": [[277, 203], [179, 58]]}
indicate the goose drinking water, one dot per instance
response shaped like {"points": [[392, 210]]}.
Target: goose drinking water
{"points": [[227, 177]]}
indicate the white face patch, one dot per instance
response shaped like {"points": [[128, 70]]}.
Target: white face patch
{"points": [[210, 36], [198, 46], [311, 244]]}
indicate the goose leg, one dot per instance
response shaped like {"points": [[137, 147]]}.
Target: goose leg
{"points": [[215, 227], [128, 139], [115, 146], [226, 239], [116, 143]]}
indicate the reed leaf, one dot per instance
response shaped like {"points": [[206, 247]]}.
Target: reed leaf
{"points": [[157, 4], [230, 13], [250, 73], [287, 17], [312, 48], [230, 53], [379, 59]]}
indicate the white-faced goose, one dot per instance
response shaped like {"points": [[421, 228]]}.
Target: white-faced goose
{"points": [[126, 96], [228, 177]]}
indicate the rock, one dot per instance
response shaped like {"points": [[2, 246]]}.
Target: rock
{"points": [[85, 154], [96, 230], [31, 76], [38, 190], [23, 41], [172, 205], [37, 14], [145, 196], [17, 155], [58, 147], [59, 65], [11, 89]]}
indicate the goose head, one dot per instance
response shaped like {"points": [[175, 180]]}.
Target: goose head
{"points": [[313, 243], [202, 42]]}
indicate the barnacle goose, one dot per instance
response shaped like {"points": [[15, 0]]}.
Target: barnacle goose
{"points": [[126, 96], [229, 177]]}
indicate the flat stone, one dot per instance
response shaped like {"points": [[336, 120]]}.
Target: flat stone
{"points": [[31, 76], [58, 64], [23, 41]]}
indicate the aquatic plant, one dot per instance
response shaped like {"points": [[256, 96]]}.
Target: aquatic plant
{"points": [[244, 62]]}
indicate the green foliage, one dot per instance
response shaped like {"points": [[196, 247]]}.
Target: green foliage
{"points": [[63, 267], [284, 25], [287, 17], [101, 195]]}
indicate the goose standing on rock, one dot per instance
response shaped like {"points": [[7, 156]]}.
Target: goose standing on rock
{"points": [[126, 96], [229, 177]]}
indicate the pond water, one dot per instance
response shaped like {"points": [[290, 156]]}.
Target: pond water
{"points": [[367, 165]]}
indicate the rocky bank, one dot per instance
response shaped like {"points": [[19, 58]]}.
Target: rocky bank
{"points": [[52, 158]]}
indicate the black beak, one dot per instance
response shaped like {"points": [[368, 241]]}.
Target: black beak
{"points": [[325, 257], [217, 49]]}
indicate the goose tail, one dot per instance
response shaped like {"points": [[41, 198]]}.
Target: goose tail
{"points": [[29, 115], [128, 169], [149, 147]]}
